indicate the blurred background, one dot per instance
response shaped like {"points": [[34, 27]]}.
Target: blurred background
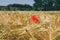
{"points": [[30, 5]]}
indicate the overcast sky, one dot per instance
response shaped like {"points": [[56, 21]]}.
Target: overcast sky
{"points": [[6, 2]]}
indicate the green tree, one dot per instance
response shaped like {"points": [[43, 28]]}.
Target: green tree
{"points": [[56, 4], [27, 7], [19, 7], [43, 5]]}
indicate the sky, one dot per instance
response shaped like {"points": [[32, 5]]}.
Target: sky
{"points": [[6, 2]]}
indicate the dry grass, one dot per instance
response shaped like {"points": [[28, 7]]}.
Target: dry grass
{"points": [[15, 25]]}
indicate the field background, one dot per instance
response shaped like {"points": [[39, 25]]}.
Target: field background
{"points": [[15, 25]]}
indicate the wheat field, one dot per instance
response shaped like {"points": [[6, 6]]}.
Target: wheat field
{"points": [[15, 25]]}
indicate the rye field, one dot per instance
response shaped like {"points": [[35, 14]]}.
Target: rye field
{"points": [[18, 25]]}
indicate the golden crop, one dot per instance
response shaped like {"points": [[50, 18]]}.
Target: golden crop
{"points": [[15, 25]]}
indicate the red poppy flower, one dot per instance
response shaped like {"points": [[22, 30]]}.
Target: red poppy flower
{"points": [[34, 19]]}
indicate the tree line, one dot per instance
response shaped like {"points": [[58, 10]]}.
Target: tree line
{"points": [[39, 5]]}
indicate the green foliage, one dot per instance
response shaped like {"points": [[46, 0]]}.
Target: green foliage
{"points": [[56, 4], [39, 5], [43, 5], [14, 7]]}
